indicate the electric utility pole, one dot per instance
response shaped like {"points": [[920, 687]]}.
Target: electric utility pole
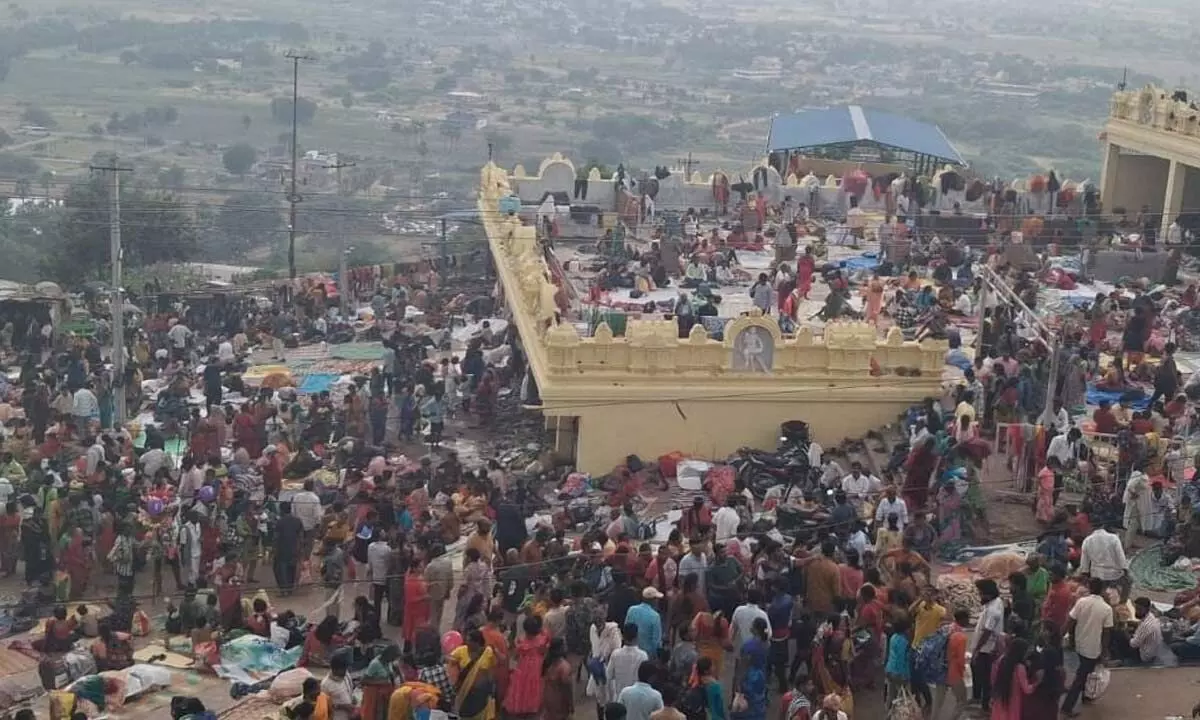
{"points": [[113, 172], [343, 282], [293, 196]]}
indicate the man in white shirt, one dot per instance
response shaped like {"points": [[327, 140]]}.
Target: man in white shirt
{"points": [[858, 486], [1061, 419], [1102, 556], [891, 505], [815, 451], [858, 539], [745, 615], [93, 457], [1090, 623], [307, 507], [85, 407], [1065, 447], [985, 641], [225, 354], [623, 664], [378, 553], [726, 520], [179, 334], [190, 549], [153, 460], [831, 475]]}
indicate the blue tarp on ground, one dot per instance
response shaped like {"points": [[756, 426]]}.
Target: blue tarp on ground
{"points": [[866, 261], [250, 658], [317, 382], [1139, 400]]}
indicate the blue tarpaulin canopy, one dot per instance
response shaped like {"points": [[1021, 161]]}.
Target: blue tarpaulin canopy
{"points": [[854, 124]]}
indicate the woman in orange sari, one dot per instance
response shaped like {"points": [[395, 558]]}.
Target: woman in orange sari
{"points": [[416, 601], [10, 534], [874, 295], [710, 632], [76, 563], [494, 638]]}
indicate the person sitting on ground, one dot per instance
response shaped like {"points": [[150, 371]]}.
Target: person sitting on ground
{"points": [[259, 621], [320, 644], [89, 624], [312, 703], [112, 650], [60, 633]]}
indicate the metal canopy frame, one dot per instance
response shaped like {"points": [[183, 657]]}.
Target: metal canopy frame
{"points": [[921, 163]]}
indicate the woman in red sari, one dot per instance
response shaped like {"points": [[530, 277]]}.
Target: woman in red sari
{"points": [[246, 432], [416, 601], [76, 563], [805, 267], [228, 581], [210, 543], [919, 468]]}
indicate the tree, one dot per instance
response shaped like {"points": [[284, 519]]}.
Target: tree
{"points": [[247, 221], [129, 57], [281, 110], [239, 159], [12, 165], [96, 129], [46, 179], [369, 79], [156, 229], [246, 122], [23, 188], [35, 115], [172, 177], [348, 101], [5, 138]]}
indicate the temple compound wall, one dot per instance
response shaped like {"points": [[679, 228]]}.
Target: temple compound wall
{"points": [[650, 392]]}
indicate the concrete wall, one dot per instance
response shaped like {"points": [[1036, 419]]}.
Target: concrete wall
{"points": [[1140, 180], [716, 429]]}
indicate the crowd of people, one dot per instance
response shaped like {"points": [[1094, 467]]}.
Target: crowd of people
{"points": [[457, 602]]}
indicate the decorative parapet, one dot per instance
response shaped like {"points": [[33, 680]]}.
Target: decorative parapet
{"points": [[1155, 108], [753, 344]]}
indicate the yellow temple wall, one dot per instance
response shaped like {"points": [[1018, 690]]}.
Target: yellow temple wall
{"points": [[651, 392], [717, 428]]}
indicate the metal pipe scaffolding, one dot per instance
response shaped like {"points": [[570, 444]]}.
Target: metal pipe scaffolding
{"points": [[992, 281]]}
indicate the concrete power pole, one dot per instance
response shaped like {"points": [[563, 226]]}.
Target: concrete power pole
{"points": [[293, 196], [113, 171], [343, 283]]}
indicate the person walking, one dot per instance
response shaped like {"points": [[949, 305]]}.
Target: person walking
{"points": [[1089, 626], [989, 632]]}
